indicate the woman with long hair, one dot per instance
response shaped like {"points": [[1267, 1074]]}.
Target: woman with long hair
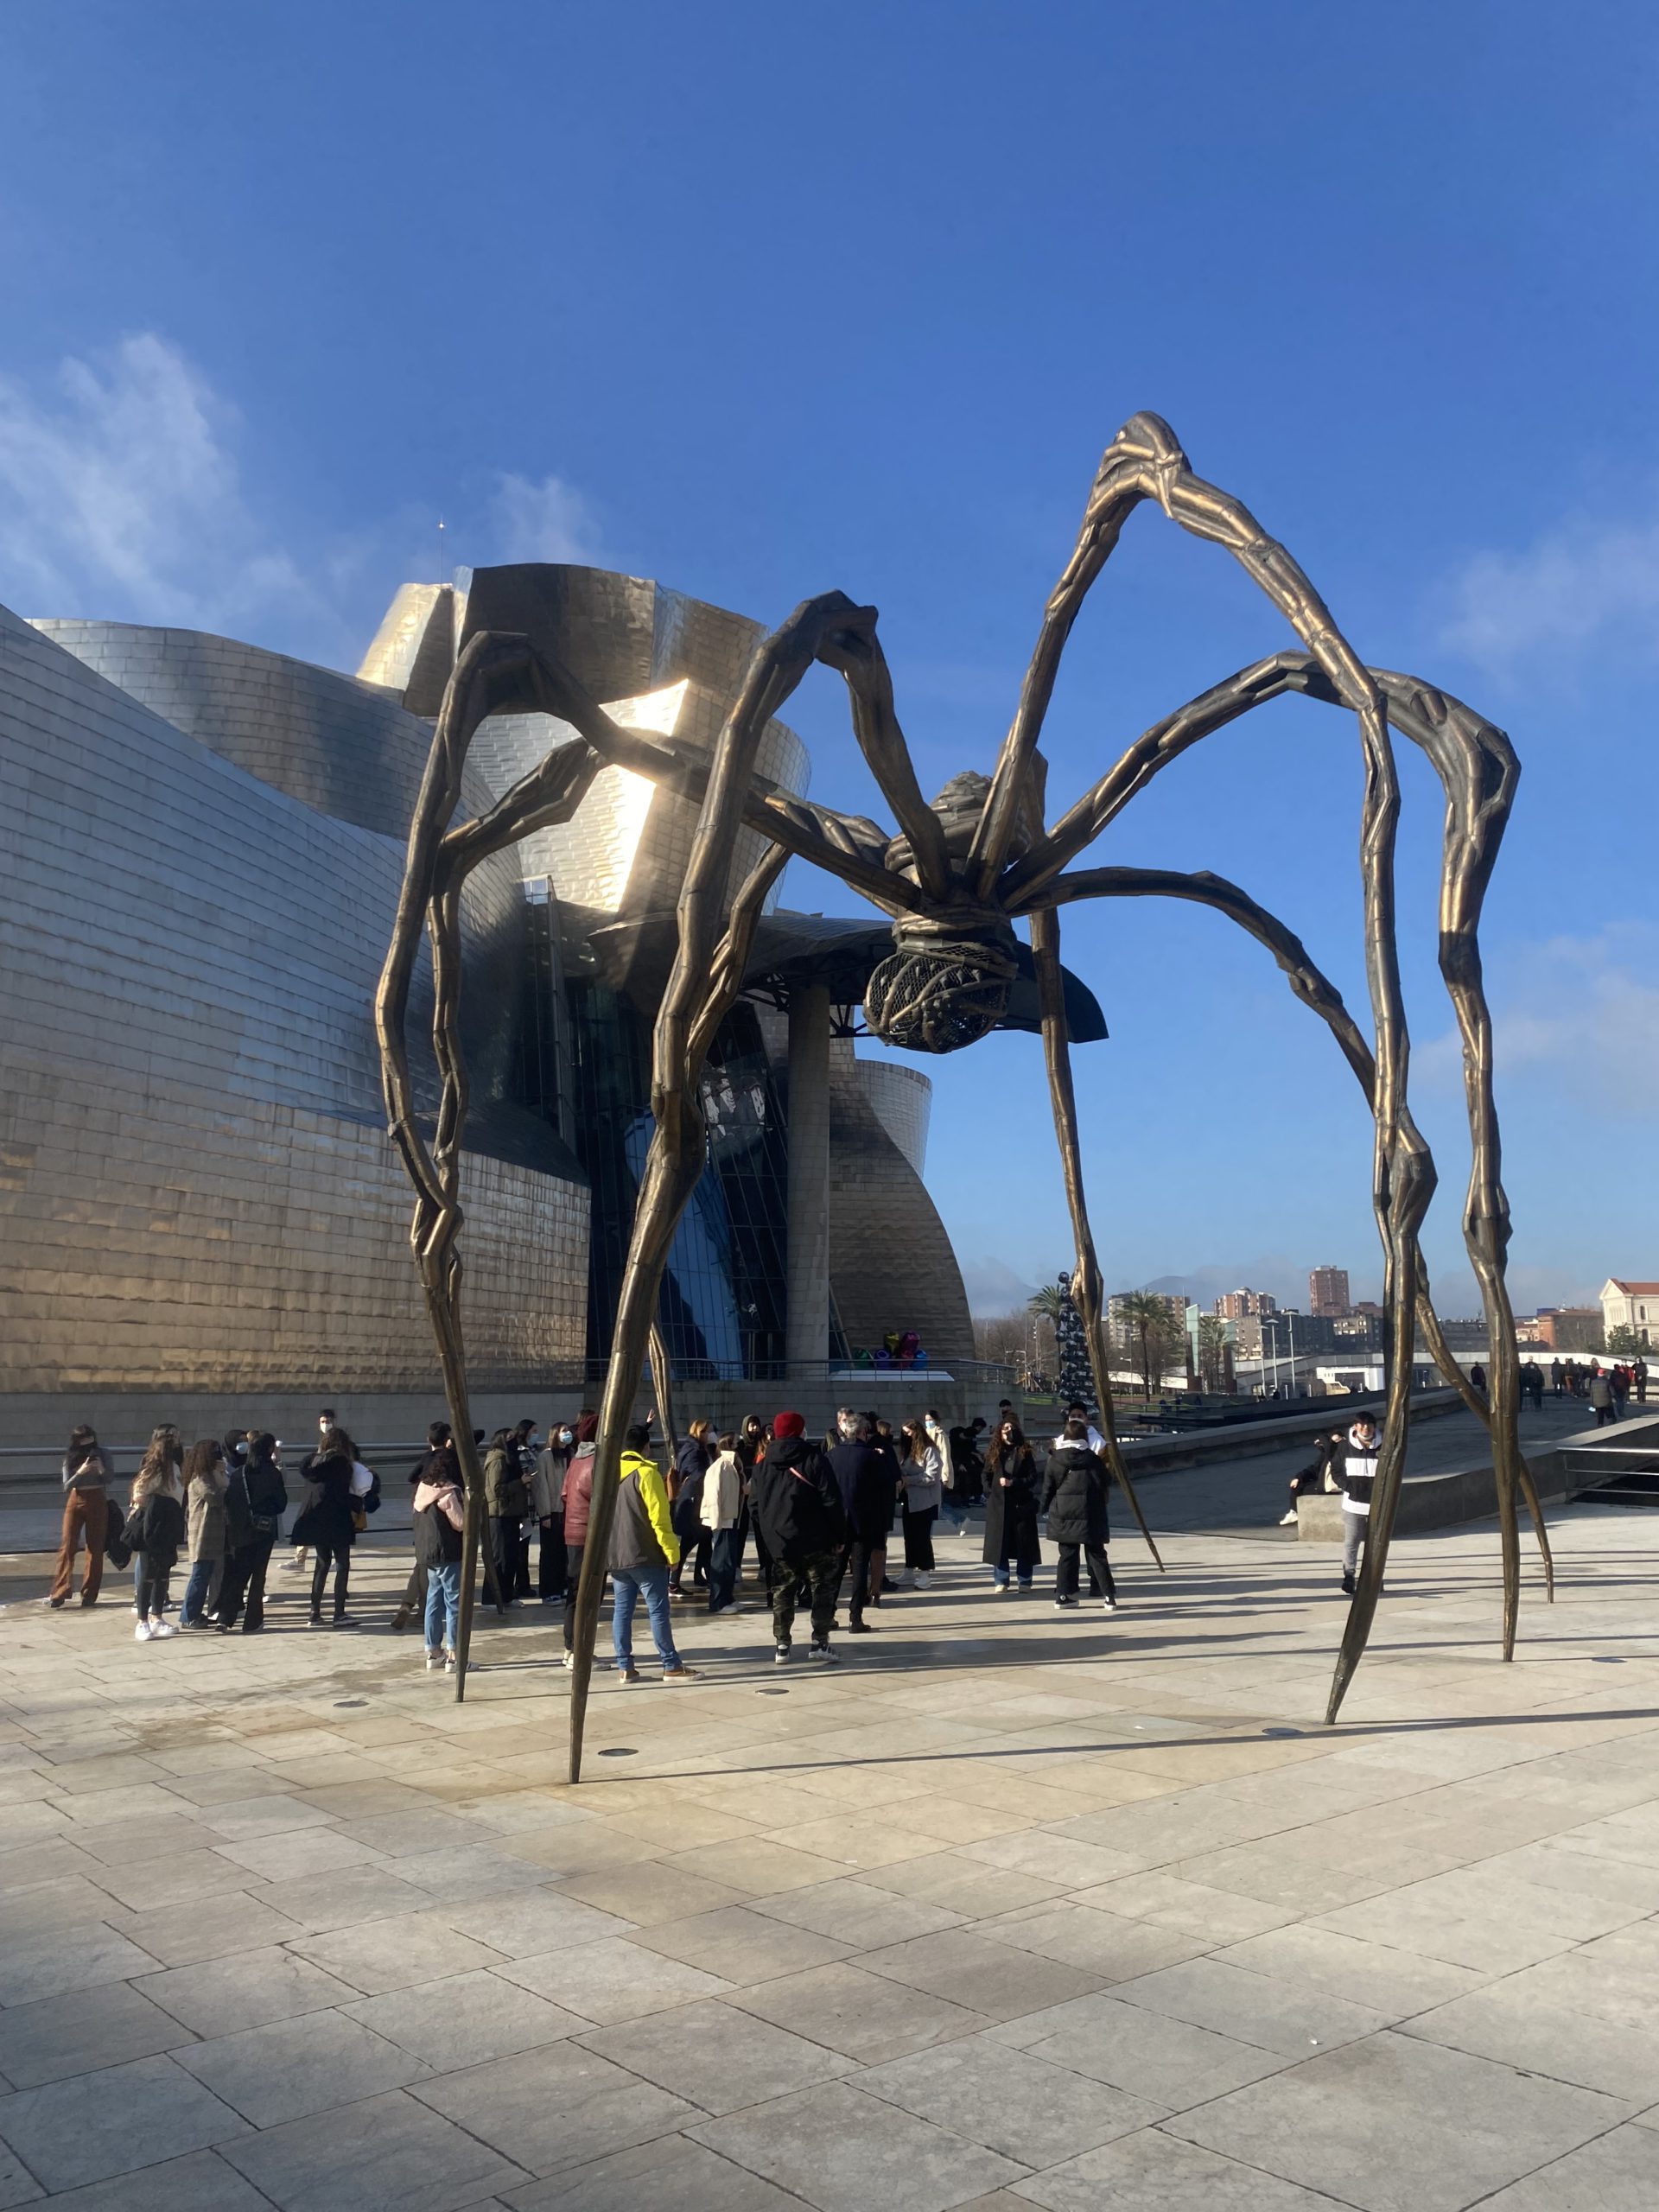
{"points": [[751, 1451], [328, 1522], [205, 1484], [1013, 1481], [86, 1517], [506, 1498], [155, 1530], [923, 1468]]}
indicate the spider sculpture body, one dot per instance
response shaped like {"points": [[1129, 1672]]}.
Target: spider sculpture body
{"points": [[955, 879]]}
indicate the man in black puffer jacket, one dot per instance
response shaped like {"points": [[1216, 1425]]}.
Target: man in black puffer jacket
{"points": [[798, 1515]]}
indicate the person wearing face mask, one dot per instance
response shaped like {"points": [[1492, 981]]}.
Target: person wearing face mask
{"points": [[547, 1502]]}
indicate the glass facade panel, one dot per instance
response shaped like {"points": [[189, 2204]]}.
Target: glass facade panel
{"points": [[722, 1302]]}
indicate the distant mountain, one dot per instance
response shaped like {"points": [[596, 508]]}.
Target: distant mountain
{"points": [[992, 1287]]}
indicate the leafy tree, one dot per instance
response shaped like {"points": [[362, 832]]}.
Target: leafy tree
{"points": [[1150, 1334], [1623, 1342], [1212, 1352]]}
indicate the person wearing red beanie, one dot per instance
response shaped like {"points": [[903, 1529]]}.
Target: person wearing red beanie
{"points": [[799, 1516]]}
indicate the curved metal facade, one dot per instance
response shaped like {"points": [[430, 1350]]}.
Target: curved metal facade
{"points": [[200, 851], [195, 1186]]}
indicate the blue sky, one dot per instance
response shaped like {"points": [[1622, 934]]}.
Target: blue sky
{"points": [[765, 300]]}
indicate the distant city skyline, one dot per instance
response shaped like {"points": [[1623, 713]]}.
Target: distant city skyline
{"points": [[995, 1287]]}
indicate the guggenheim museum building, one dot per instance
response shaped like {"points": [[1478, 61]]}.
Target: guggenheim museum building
{"points": [[200, 849]]}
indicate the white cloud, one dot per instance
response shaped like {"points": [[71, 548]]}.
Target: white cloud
{"points": [[1582, 580], [119, 495], [1583, 1014], [548, 521]]}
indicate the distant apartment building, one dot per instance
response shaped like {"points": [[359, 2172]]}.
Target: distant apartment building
{"points": [[1327, 1292], [1242, 1305], [1631, 1306], [1117, 1308], [1574, 1328]]}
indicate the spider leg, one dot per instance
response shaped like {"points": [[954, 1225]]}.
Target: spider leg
{"points": [[1086, 1286], [1478, 772], [673, 1167], [1145, 462], [706, 977], [430, 895], [1316, 991]]}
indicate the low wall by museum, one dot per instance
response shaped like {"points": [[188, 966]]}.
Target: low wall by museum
{"points": [[1464, 1494]]}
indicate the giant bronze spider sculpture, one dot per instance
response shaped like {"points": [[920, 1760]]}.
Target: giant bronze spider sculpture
{"points": [[956, 880]]}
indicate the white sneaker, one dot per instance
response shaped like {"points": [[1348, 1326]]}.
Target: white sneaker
{"points": [[999, 1589], [1291, 1519], [923, 1581], [569, 1663], [434, 1663], [160, 1630], [142, 1633], [1108, 1605]]}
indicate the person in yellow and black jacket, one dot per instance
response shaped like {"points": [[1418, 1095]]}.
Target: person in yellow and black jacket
{"points": [[642, 1549]]}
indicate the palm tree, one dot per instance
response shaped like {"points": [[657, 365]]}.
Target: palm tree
{"points": [[1049, 1302], [1148, 1324]]}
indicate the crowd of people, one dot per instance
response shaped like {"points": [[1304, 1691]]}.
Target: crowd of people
{"points": [[820, 1514]]}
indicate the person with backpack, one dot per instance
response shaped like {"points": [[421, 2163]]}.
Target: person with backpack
{"points": [[642, 1549], [255, 1502], [412, 1605], [798, 1511], [327, 1522], [438, 1519]]}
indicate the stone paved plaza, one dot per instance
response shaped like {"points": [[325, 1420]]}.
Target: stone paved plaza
{"points": [[1013, 1908]]}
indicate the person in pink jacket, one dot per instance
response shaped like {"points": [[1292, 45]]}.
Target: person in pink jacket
{"points": [[578, 1502]]}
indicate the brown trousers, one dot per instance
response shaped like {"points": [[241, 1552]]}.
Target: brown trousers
{"points": [[86, 1516]]}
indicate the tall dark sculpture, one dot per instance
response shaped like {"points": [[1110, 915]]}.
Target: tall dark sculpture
{"points": [[954, 880]]}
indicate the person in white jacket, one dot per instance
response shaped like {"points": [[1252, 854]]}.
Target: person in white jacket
{"points": [[939, 1437], [922, 1466], [720, 1510], [1356, 1473]]}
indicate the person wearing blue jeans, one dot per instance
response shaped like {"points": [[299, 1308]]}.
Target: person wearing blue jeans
{"points": [[643, 1547], [442, 1609], [439, 1518], [629, 1584]]}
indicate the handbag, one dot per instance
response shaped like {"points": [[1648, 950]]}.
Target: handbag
{"points": [[262, 1524]]}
